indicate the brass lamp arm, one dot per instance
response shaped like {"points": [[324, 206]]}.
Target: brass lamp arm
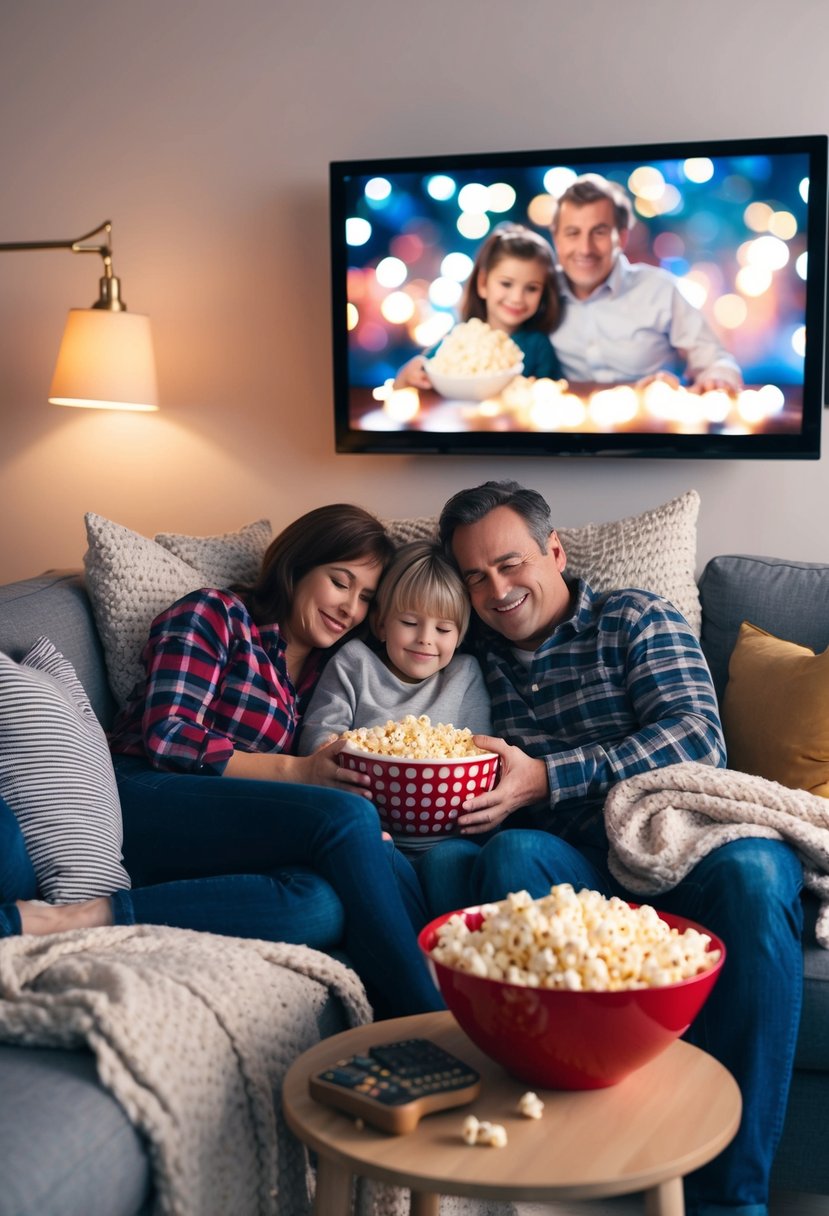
{"points": [[110, 285]]}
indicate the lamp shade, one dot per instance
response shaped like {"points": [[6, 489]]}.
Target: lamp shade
{"points": [[106, 362]]}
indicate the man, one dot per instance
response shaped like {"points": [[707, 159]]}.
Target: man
{"points": [[587, 690], [625, 322]]}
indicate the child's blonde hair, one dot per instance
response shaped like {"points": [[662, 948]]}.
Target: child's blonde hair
{"points": [[419, 578]]}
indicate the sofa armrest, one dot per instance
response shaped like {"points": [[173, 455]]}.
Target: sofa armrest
{"points": [[55, 604]]}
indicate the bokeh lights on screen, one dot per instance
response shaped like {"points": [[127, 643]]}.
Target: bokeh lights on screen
{"points": [[732, 230]]}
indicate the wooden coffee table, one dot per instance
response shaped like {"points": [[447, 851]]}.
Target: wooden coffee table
{"points": [[644, 1134]]}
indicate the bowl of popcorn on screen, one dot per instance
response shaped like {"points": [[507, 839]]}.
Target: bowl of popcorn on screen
{"points": [[420, 773], [573, 990], [474, 362]]}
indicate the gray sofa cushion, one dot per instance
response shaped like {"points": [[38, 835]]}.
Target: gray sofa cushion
{"points": [[788, 599], [68, 1147], [791, 600], [55, 605]]}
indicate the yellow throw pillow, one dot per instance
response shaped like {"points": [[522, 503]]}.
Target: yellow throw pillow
{"points": [[776, 711]]}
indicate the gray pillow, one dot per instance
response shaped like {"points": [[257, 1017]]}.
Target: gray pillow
{"points": [[56, 775]]}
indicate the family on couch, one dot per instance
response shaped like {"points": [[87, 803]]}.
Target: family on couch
{"points": [[586, 690]]}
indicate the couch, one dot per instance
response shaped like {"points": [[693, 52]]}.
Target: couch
{"points": [[68, 1148]]}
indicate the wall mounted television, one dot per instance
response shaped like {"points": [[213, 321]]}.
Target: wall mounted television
{"points": [[739, 224]]}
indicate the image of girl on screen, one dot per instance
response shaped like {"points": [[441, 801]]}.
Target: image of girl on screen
{"points": [[513, 288]]}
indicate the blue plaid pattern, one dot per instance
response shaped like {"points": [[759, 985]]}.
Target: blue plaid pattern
{"points": [[619, 687]]}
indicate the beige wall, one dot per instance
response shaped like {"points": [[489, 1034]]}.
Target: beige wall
{"points": [[204, 131]]}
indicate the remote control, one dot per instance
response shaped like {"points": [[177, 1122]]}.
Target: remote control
{"points": [[395, 1084]]}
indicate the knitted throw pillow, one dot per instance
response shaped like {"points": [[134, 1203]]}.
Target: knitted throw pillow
{"points": [[56, 775], [130, 579], [654, 551]]}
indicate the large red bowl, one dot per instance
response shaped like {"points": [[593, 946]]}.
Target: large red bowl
{"points": [[556, 1039]]}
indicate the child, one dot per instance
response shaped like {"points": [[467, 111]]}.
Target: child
{"points": [[420, 616], [513, 287]]}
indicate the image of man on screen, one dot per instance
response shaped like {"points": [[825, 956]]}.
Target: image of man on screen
{"points": [[625, 322]]}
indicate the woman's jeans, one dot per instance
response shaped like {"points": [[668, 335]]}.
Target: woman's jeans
{"points": [[748, 893], [276, 861], [17, 878]]}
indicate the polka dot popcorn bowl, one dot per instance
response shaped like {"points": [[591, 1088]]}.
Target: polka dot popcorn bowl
{"points": [[421, 798]]}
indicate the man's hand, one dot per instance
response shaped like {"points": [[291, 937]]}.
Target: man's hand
{"points": [[714, 383], [523, 781], [658, 378]]}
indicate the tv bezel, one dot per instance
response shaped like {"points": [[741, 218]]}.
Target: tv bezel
{"points": [[806, 445]]}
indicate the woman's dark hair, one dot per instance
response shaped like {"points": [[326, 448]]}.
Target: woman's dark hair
{"points": [[327, 535], [515, 241], [470, 506]]}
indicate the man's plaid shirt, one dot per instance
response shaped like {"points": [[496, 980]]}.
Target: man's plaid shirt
{"points": [[619, 687]]}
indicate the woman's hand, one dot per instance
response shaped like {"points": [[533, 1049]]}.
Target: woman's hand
{"points": [[320, 768], [523, 781]]}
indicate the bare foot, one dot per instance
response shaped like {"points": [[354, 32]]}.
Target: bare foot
{"points": [[40, 918]]}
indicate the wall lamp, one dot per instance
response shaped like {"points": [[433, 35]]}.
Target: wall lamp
{"points": [[106, 357]]}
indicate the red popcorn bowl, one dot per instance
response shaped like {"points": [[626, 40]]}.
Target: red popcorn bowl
{"points": [[558, 1039], [422, 797]]}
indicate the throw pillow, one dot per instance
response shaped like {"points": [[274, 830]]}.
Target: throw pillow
{"points": [[654, 551], [776, 711], [233, 557], [56, 775], [130, 579]]}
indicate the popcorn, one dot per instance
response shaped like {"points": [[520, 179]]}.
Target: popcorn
{"points": [[530, 1105], [476, 1131], [474, 348], [577, 941], [415, 739]]}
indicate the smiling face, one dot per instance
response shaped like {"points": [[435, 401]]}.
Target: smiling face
{"points": [[329, 601], [587, 244], [417, 645], [515, 588], [512, 290]]}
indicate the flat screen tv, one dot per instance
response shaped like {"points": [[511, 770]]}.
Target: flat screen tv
{"points": [[725, 238]]}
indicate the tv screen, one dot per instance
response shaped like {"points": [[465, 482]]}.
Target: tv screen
{"points": [[645, 300]]}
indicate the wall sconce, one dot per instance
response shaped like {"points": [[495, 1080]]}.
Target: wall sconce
{"points": [[106, 357]]}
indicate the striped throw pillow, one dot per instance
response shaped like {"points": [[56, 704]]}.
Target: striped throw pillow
{"points": [[56, 774]]}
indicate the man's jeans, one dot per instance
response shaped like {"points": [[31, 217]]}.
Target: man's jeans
{"points": [[748, 893]]}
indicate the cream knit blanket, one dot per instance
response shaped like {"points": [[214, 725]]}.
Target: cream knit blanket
{"points": [[661, 823], [193, 1034]]}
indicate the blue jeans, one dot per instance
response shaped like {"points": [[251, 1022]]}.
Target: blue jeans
{"points": [[748, 893], [277, 861], [17, 878]]}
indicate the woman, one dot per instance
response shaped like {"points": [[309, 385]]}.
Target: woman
{"points": [[224, 828]]}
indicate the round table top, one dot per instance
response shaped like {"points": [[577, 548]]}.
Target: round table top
{"points": [[668, 1118]]}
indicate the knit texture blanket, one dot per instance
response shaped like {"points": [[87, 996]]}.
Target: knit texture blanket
{"points": [[193, 1034], [661, 823]]}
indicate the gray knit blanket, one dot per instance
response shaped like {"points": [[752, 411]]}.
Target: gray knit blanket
{"points": [[192, 1034], [661, 823]]}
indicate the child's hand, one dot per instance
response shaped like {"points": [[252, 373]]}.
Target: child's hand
{"points": [[413, 375]]}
